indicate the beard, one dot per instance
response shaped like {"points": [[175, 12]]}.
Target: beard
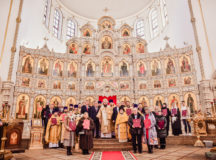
{"points": [[105, 105]]}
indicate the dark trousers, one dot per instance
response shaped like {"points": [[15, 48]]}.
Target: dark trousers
{"points": [[150, 147], [97, 127], [137, 138], [163, 143], [187, 126]]}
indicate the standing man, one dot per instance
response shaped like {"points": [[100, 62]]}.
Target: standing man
{"points": [[185, 116], [136, 129], [97, 123], [85, 107], [105, 119], [166, 113]]}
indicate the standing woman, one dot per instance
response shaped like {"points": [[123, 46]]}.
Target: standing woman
{"points": [[166, 113], [70, 128], [85, 128], [150, 133], [176, 120]]}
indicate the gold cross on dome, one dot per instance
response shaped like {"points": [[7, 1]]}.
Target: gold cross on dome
{"points": [[105, 10]]}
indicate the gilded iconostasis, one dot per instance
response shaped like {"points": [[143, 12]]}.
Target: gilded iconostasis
{"points": [[104, 62]]}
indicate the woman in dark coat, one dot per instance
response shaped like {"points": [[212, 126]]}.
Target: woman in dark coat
{"points": [[85, 129], [161, 124], [167, 114]]}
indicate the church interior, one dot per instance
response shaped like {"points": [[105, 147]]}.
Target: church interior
{"points": [[75, 53]]}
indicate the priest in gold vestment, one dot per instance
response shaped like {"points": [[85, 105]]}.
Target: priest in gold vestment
{"points": [[121, 126], [105, 118], [53, 131]]}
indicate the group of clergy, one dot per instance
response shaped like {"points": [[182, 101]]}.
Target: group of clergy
{"points": [[126, 122]]}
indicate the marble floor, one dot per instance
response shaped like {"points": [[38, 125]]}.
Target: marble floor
{"points": [[173, 152]]}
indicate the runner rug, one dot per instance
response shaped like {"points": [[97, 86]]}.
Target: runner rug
{"points": [[112, 155]]}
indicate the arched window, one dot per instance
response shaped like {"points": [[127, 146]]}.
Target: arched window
{"points": [[57, 23], [140, 28], [154, 22], [46, 12], [71, 28], [164, 12]]}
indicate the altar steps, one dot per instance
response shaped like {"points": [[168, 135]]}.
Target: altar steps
{"points": [[111, 145]]}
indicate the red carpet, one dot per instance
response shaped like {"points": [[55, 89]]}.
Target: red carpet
{"points": [[115, 155], [112, 155]]}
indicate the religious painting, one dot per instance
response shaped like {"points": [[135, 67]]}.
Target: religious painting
{"points": [[125, 99], [155, 68], [71, 85], [126, 49], [72, 69], [173, 100], [142, 85], [22, 106], [158, 101], [190, 101], [58, 68], [125, 33], [90, 99], [144, 101], [185, 64], [171, 82], [157, 84], [70, 101], [107, 67], [124, 69], [90, 69], [90, 86], [13, 138], [73, 48], [106, 42], [140, 48], [41, 84], [87, 49], [99, 84], [141, 69], [187, 80], [106, 25], [124, 85], [87, 33], [57, 85], [170, 66], [114, 84], [25, 82], [27, 64], [39, 104], [56, 101], [43, 66]]}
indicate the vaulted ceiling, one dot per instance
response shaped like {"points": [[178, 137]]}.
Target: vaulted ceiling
{"points": [[94, 9]]}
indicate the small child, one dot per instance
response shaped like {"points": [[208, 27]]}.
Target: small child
{"points": [[161, 124]]}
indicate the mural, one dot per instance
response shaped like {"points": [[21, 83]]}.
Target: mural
{"points": [[106, 42], [72, 69], [173, 100], [43, 66], [41, 84], [56, 101], [140, 48], [158, 101], [185, 64], [157, 84], [87, 33], [125, 99], [73, 48], [90, 86], [39, 104], [144, 101], [107, 67], [190, 101], [143, 85], [90, 99], [27, 64], [87, 49], [71, 85], [125, 33], [171, 82], [124, 85], [22, 106], [187, 80], [70, 101], [58, 68], [141, 69], [25, 82], [90, 69], [170, 67], [57, 85], [124, 69], [126, 49], [156, 68], [107, 25]]}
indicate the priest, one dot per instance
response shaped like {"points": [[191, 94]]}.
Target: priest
{"points": [[105, 119]]}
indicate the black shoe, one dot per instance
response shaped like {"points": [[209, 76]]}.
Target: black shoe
{"points": [[135, 151], [140, 152], [156, 146]]}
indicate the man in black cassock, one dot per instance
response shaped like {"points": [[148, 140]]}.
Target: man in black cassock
{"points": [[85, 108], [176, 120], [166, 113], [115, 113], [97, 123]]}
